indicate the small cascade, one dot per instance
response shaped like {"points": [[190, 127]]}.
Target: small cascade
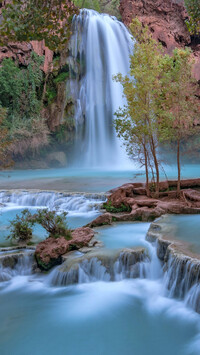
{"points": [[53, 200], [100, 48], [13, 264], [101, 265], [181, 275]]}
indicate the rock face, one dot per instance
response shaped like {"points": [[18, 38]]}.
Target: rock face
{"points": [[49, 252], [21, 51], [166, 20]]}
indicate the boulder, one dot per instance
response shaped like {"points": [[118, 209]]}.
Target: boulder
{"points": [[81, 237], [49, 252], [104, 219]]}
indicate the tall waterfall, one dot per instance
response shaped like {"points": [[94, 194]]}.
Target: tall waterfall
{"points": [[100, 48]]}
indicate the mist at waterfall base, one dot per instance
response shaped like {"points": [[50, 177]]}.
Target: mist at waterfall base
{"points": [[131, 316]]}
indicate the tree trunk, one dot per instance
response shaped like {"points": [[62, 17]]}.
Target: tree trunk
{"points": [[179, 170], [156, 166], [146, 171]]}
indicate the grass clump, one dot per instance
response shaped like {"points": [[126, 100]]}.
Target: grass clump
{"points": [[110, 208]]}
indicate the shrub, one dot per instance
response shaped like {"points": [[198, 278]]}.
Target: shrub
{"points": [[21, 227], [109, 208], [55, 224]]}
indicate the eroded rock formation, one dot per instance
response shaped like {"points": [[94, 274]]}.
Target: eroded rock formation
{"points": [[129, 202], [49, 252], [166, 20]]}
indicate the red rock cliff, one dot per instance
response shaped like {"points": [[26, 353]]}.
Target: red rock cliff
{"points": [[166, 20]]}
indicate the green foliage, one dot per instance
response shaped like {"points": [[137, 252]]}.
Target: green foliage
{"points": [[55, 224], [19, 88], [21, 95], [193, 9], [109, 208], [5, 159], [51, 94], [110, 6], [48, 20], [21, 227], [178, 104], [88, 4], [137, 121], [63, 76], [161, 101]]}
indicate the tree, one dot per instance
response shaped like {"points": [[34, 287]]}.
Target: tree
{"points": [[137, 121], [5, 159], [193, 9], [179, 106], [27, 20]]}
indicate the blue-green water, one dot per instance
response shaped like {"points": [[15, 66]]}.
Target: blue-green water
{"points": [[105, 318], [182, 227], [123, 235], [85, 180]]}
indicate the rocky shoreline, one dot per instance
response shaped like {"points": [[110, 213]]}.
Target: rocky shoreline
{"points": [[129, 203]]}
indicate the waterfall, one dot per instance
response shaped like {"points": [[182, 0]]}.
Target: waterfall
{"points": [[100, 48], [14, 264], [100, 265], [72, 203]]}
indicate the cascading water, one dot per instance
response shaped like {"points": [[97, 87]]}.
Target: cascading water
{"points": [[72, 203], [100, 48]]}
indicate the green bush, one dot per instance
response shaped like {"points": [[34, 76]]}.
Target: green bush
{"points": [[21, 227], [55, 224], [109, 208]]}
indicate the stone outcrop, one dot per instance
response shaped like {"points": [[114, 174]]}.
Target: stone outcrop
{"points": [[49, 252], [143, 208], [166, 20]]}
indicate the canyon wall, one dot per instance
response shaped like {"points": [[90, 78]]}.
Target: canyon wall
{"points": [[166, 20]]}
